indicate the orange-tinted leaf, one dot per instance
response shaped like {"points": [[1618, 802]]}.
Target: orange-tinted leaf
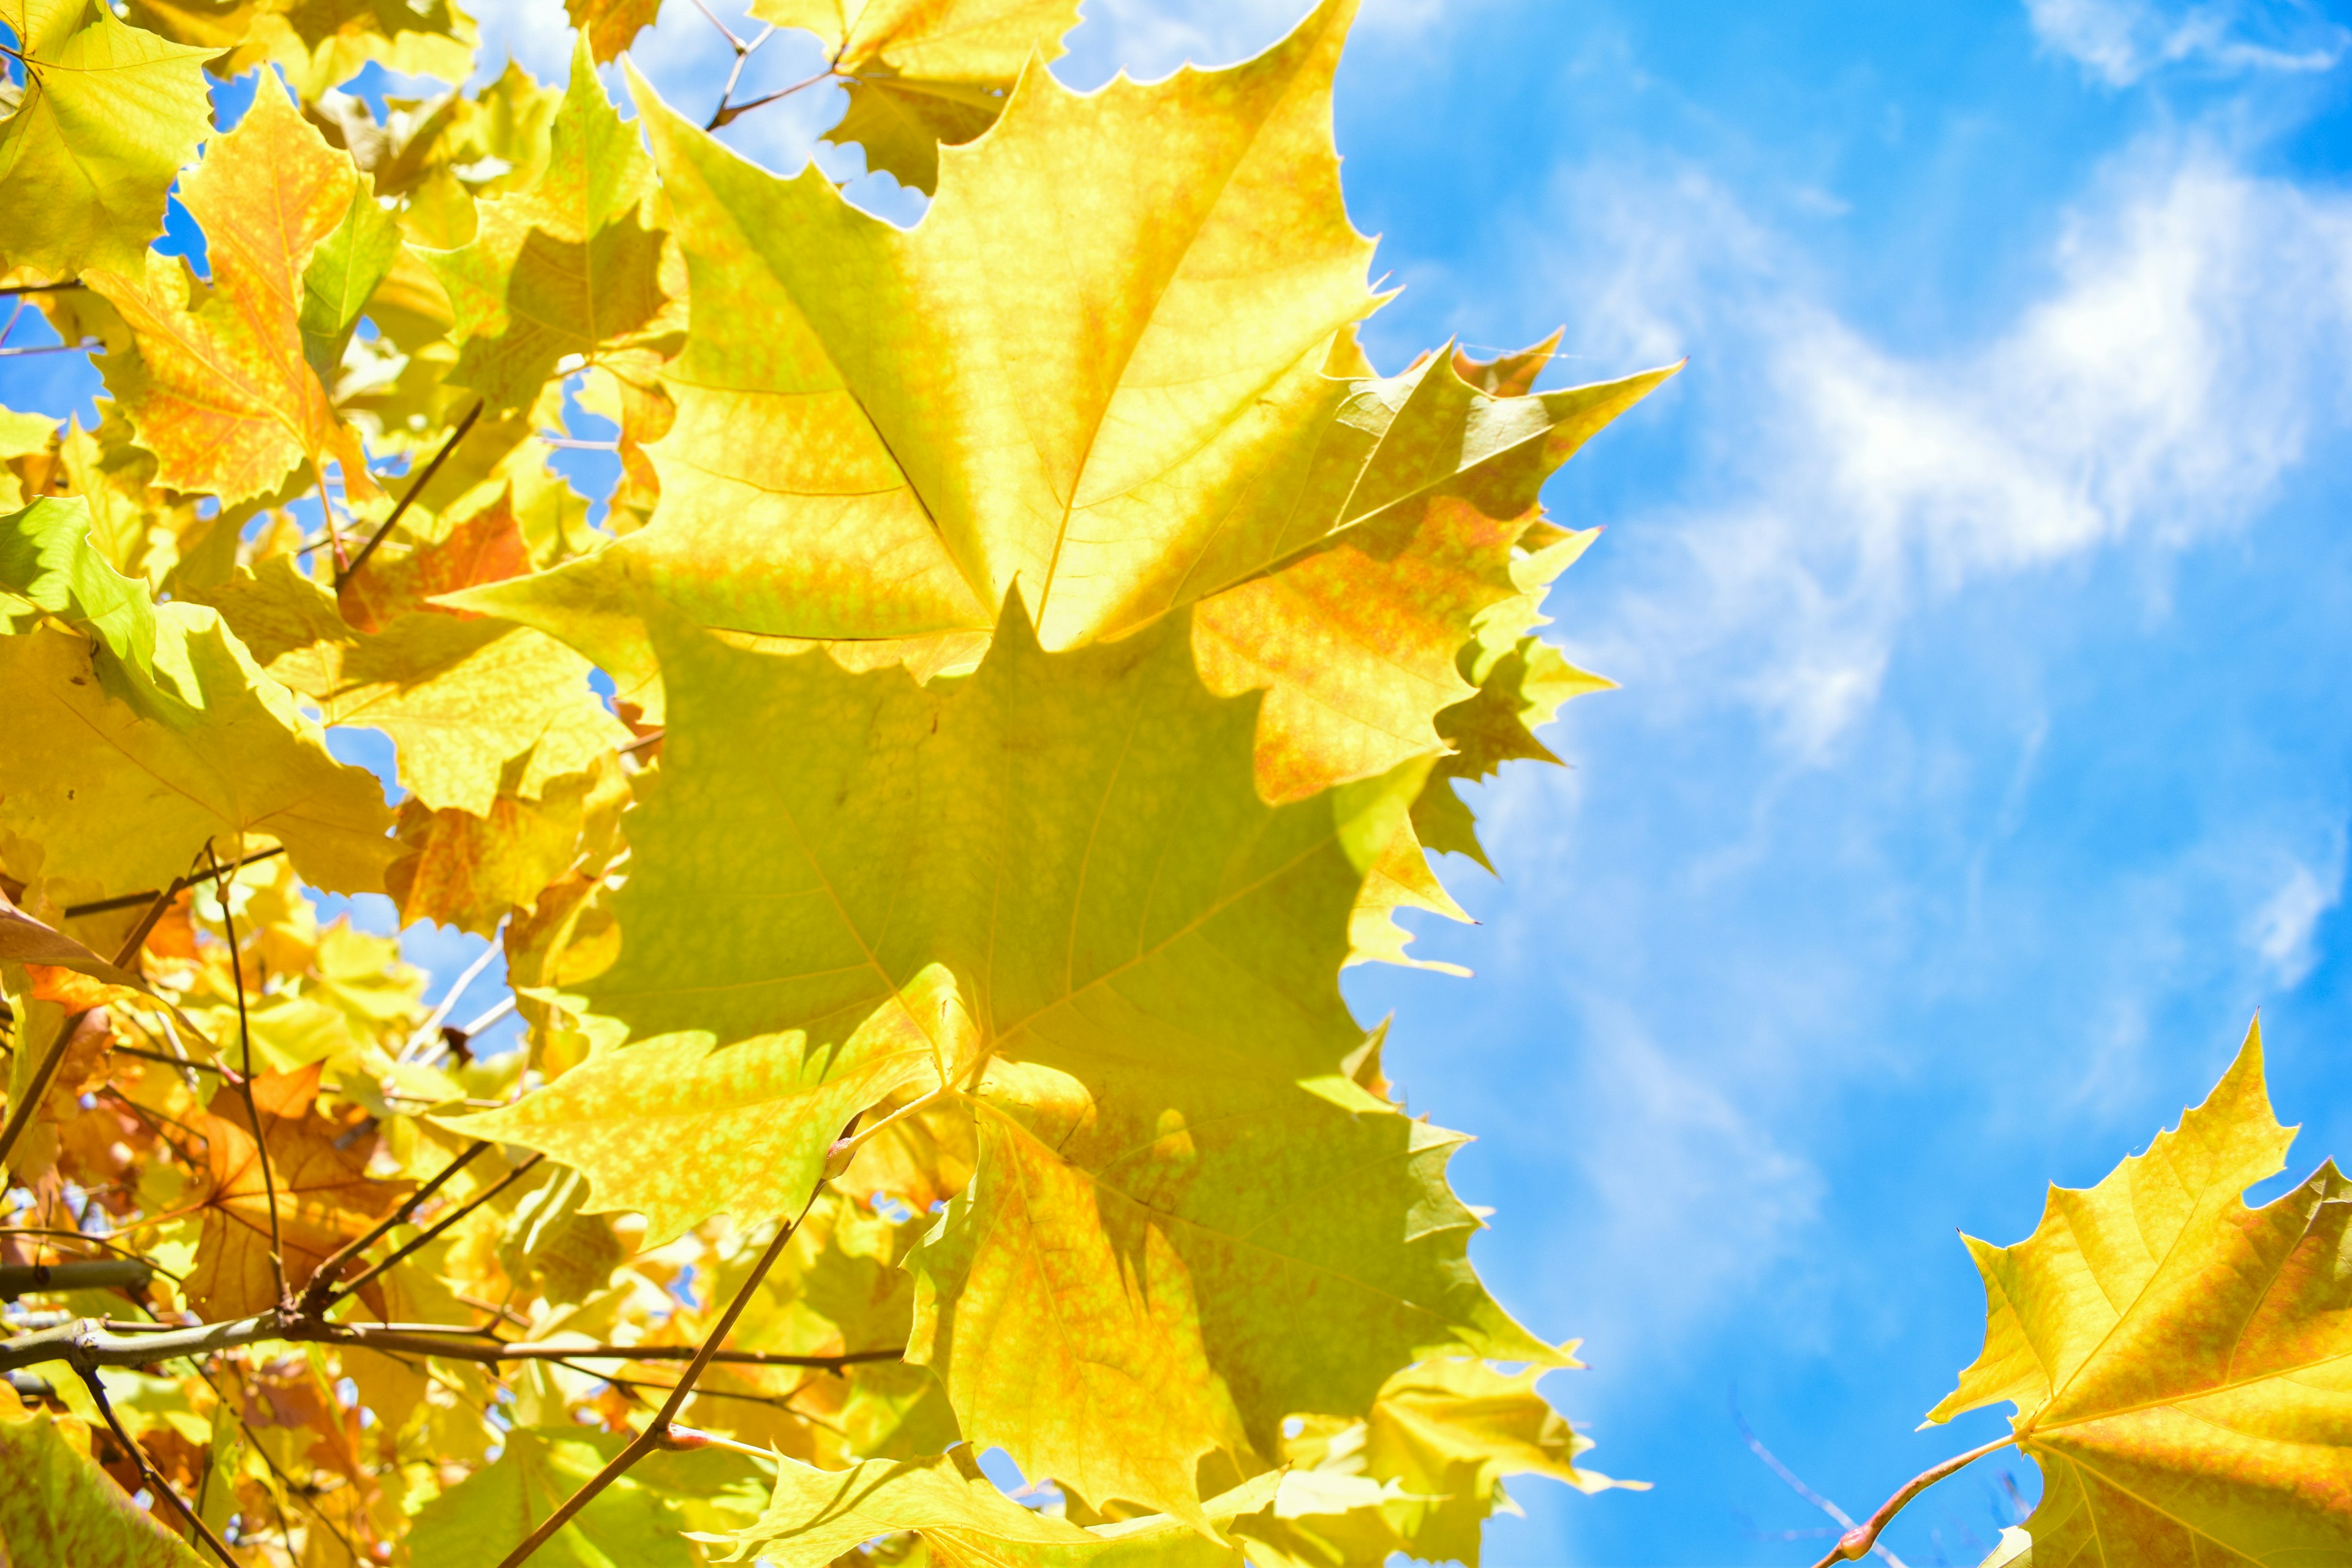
{"points": [[323, 1194], [220, 391], [484, 548]]}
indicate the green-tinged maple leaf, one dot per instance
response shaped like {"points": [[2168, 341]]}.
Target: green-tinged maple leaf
{"points": [[1165, 976], [478, 1521], [60, 1510], [668, 1126], [316, 1181], [108, 113], [2181, 1364], [570, 266], [817, 1517], [1153, 402], [157, 716], [343, 271], [220, 390], [921, 73], [476, 708]]}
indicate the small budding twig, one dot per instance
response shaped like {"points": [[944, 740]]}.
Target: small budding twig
{"points": [[125, 901], [1862, 1539]]}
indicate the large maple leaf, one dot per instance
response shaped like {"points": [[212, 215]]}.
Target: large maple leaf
{"points": [[157, 715], [317, 1181], [924, 72], [1112, 369], [570, 266], [819, 1517], [108, 113], [2181, 1365], [1197, 1225], [221, 390]]}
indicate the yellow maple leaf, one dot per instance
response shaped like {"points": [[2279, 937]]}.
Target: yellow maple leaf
{"points": [[108, 114], [921, 73], [2180, 1364], [220, 390]]}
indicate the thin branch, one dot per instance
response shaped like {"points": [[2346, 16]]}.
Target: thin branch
{"points": [[326, 511], [82, 347], [89, 1274], [1845, 1520], [727, 114], [90, 1342], [44, 1072], [245, 1078], [125, 901], [284, 1481], [443, 1223], [40, 288], [168, 1061], [155, 1483], [84, 1237], [1862, 1539], [657, 1433], [430, 1028], [346, 574], [314, 1296]]}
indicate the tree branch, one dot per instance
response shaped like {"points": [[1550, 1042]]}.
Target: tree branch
{"points": [[438, 1226], [155, 1483], [245, 1078], [346, 574], [323, 1283], [94, 1343], [658, 1434], [1862, 1539], [125, 901]]}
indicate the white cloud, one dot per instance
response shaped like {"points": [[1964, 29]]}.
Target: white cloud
{"points": [[2120, 41], [2286, 927], [2186, 355]]}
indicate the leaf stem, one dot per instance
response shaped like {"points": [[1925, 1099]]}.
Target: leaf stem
{"points": [[155, 1483], [245, 1073], [658, 1434], [345, 574], [1859, 1541]]}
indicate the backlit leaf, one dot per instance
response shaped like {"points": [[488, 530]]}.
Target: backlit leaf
{"points": [[921, 73], [108, 114], [60, 1510], [569, 267], [2180, 1364], [165, 721], [221, 391]]}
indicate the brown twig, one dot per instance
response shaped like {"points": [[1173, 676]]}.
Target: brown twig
{"points": [[40, 288], [155, 1483], [125, 901], [345, 574], [1861, 1540], [323, 1283], [245, 1078], [658, 1431], [438, 1226], [44, 1072]]}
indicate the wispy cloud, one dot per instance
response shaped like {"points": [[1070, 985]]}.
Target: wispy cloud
{"points": [[2185, 356], [2121, 41]]}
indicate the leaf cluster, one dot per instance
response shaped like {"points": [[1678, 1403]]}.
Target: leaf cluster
{"points": [[922, 806]]}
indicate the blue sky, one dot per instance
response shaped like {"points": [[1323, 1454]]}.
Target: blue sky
{"points": [[1978, 593]]}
